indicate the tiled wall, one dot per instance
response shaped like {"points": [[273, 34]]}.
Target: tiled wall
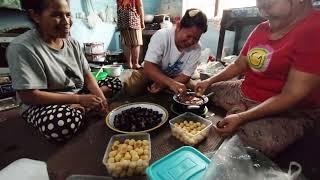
{"points": [[151, 6], [173, 7], [106, 31]]}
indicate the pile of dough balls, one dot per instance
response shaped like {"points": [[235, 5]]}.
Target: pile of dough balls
{"points": [[189, 132], [128, 158]]}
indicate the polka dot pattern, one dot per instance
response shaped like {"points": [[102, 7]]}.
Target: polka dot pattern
{"points": [[55, 122], [111, 82]]}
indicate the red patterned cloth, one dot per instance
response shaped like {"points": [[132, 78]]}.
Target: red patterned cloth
{"points": [[128, 16]]}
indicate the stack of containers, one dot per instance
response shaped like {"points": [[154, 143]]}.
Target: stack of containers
{"points": [[95, 52]]}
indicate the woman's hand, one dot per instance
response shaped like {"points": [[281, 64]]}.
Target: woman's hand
{"points": [[143, 26], [178, 88], [201, 87], [229, 125], [104, 106], [89, 100], [78, 106], [155, 88]]}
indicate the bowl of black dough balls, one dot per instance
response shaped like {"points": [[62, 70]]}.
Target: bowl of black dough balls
{"points": [[137, 117]]}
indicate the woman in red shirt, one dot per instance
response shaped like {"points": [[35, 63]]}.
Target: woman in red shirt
{"points": [[279, 98]]}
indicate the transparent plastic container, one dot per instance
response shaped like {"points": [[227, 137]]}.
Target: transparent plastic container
{"points": [[183, 135], [125, 167]]}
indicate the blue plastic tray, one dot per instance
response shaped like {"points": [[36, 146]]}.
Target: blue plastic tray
{"points": [[185, 163]]}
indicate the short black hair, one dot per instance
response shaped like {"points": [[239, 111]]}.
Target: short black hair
{"points": [[194, 17], [36, 5]]}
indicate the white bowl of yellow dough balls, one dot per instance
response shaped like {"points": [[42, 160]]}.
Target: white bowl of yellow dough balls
{"points": [[128, 154], [190, 128]]}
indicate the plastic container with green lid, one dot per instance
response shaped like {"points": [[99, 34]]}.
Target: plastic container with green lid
{"points": [[185, 163]]}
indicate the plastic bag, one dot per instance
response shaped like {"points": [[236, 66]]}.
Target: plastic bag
{"points": [[233, 161]]}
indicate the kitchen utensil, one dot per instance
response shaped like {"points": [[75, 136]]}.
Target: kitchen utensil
{"points": [[148, 18], [166, 23], [101, 76], [178, 112], [94, 48], [96, 57], [185, 107], [158, 18], [113, 70], [100, 70]]}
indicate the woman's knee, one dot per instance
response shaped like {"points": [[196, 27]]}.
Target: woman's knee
{"points": [[110, 85], [270, 135], [59, 122], [226, 94]]}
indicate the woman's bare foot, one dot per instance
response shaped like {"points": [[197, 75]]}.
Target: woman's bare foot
{"points": [[136, 66], [129, 65]]}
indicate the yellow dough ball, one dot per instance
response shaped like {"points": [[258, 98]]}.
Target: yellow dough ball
{"points": [[111, 160], [144, 157], [112, 153], [116, 142], [129, 148], [127, 141], [145, 142], [118, 157], [127, 156], [139, 151]]}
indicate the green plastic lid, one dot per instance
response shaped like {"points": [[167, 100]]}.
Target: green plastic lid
{"points": [[185, 163], [102, 75]]}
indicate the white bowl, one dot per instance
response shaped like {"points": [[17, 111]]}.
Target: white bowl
{"points": [[113, 70], [148, 18], [155, 107]]}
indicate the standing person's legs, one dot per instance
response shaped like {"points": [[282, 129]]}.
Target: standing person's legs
{"points": [[128, 56], [135, 55], [126, 46], [132, 40], [137, 42]]}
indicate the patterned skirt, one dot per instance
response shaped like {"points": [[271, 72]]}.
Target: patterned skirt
{"points": [[132, 37]]}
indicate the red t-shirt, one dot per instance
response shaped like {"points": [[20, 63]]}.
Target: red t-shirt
{"points": [[271, 60]]}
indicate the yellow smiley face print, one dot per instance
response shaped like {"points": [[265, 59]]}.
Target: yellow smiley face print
{"points": [[259, 59]]}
